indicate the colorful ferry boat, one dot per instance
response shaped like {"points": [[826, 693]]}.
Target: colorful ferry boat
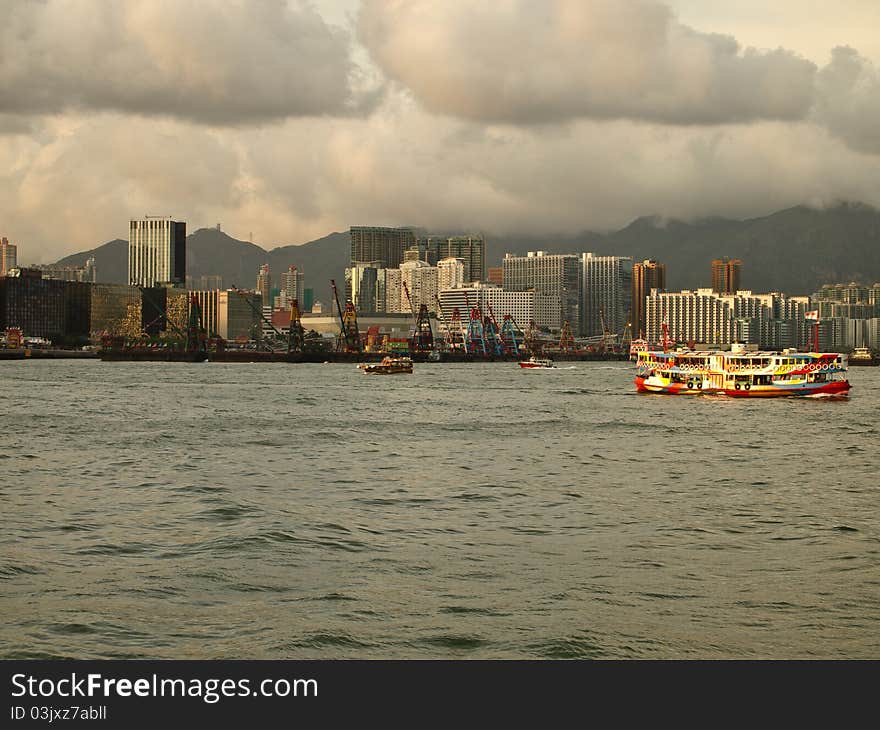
{"points": [[742, 374]]}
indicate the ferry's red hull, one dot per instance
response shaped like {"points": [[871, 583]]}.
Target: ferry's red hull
{"points": [[837, 387]]}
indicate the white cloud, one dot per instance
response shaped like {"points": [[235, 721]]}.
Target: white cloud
{"points": [[525, 62]]}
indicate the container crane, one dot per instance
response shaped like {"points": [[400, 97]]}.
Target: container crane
{"points": [[476, 340], [349, 337], [447, 334]]}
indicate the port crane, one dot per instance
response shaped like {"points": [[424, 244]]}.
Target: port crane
{"points": [[349, 337], [448, 341], [508, 335], [422, 340], [476, 340]]}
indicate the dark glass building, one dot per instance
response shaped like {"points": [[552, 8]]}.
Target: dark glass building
{"points": [[50, 308]]}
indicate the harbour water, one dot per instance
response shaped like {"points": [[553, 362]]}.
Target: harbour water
{"points": [[155, 510]]}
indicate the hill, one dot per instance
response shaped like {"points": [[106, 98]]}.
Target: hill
{"points": [[794, 250]]}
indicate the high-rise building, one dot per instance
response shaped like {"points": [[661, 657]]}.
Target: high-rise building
{"points": [[523, 306], [264, 284], [772, 321], [647, 275], [726, 275], [450, 274], [606, 293], [156, 251], [556, 275], [495, 275], [421, 281], [365, 287], [8, 256], [394, 298], [292, 286], [471, 249], [44, 307], [385, 245]]}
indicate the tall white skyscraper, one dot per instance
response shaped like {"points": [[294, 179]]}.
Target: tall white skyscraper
{"points": [[156, 251], [606, 293], [450, 273]]}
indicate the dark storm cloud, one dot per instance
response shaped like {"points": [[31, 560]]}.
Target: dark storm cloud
{"points": [[848, 99], [520, 61], [222, 63]]}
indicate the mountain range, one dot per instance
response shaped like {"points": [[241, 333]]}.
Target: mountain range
{"points": [[795, 250]]}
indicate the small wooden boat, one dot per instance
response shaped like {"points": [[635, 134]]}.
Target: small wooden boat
{"points": [[388, 366]]}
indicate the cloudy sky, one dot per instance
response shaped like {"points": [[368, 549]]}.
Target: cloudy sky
{"points": [[287, 120]]}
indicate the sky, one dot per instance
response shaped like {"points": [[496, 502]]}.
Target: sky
{"points": [[285, 120]]}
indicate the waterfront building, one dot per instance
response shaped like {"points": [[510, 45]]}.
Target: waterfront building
{"points": [[156, 251], [110, 305], [522, 306], [471, 249], [726, 275], [554, 275], [230, 314], [647, 275], [8, 256], [385, 245], [396, 326], [606, 293], [50, 308]]}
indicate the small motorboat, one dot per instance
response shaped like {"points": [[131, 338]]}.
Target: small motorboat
{"points": [[537, 362], [388, 366]]}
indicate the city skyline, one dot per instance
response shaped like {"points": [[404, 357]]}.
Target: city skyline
{"points": [[335, 120]]}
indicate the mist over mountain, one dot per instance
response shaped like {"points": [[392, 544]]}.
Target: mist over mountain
{"points": [[794, 250]]}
